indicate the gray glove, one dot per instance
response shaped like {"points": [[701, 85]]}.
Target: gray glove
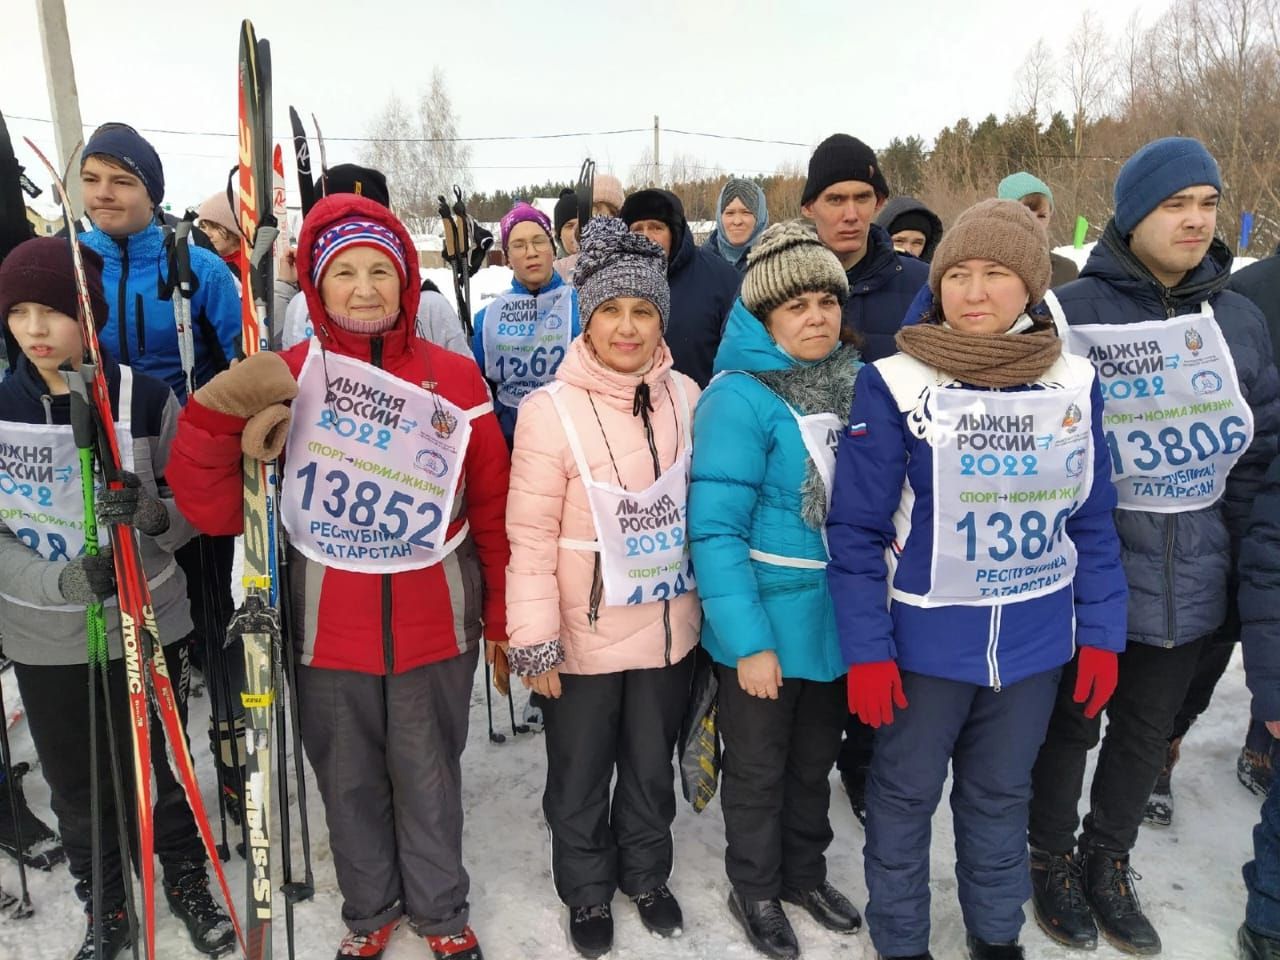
{"points": [[88, 580], [132, 506]]}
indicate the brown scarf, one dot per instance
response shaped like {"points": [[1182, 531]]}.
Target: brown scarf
{"points": [[990, 360]]}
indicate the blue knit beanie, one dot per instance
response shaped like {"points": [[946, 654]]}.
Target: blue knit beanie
{"points": [[1157, 172], [130, 149]]}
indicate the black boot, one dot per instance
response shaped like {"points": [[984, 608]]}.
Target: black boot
{"points": [[981, 950], [766, 926], [1057, 897], [915, 956], [1254, 946], [828, 906], [192, 903], [660, 912], [41, 848], [115, 936], [591, 929], [855, 785], [1109, 889], [1159, 812]]}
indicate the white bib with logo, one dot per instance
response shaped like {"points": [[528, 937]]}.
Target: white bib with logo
{"points": [[525, 341], [373, 467]]}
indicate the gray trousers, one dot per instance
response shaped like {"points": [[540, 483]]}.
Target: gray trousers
{"points": [[387, 753]]}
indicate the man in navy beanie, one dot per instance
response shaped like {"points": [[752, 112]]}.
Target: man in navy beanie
{"points": [[1193, 407]]}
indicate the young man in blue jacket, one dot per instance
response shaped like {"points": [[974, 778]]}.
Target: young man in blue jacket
{"points": [[1193, 408]]}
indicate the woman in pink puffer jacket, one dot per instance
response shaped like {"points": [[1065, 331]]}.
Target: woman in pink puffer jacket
{"points": [[601, 605]]}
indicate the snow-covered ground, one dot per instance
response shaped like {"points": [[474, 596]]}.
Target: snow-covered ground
{"points": [[1191, 887]]}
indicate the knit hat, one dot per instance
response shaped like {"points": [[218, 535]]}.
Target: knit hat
{"points": [[41, 271], [566, 209], [838, 158], [746, 191], [614, 262], [1157, 172], [606, 188], [786, 261], [1003, 231], [1022, 184], [661, 205], [916, 220], [356, 232], [217, 209], [130, 149], [524, 213], [353, 178]]}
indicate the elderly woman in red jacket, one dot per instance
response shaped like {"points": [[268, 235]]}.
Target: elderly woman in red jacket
{"points": [[394, 485]]}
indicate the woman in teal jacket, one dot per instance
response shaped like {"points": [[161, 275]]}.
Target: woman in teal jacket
{"points": [[763, 460]]}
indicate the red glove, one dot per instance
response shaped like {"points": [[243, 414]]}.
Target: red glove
{"points": [[1097, 671], [874, 690]]}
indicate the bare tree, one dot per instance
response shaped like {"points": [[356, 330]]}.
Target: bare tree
{"points": [[1035, 83], [1088, 68]]}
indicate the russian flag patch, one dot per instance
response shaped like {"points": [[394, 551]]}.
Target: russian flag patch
{"points": [[857, 430]]}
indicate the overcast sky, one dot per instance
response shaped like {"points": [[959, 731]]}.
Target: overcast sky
{"points": [[792, 71]]}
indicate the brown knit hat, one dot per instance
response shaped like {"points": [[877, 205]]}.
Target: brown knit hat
{"points": [[788, 260], [1003, 231]]}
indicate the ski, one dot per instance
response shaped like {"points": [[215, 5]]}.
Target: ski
{"points": [[147, 675], [454, 224], [324, 160], [257, 622], [302, 156], [584, 193]]}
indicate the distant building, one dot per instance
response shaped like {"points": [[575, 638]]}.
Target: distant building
{"points": [[43, 225]]}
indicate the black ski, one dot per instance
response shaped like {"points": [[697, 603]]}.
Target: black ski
{"points": [[584, 193], [302, 155]]}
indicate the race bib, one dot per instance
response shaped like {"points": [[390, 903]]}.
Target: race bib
{"points": [[372, 468], [1176, 421], [525, 341]]}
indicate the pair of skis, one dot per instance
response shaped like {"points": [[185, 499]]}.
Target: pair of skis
{"points": [[466, 245], [302, 158]]}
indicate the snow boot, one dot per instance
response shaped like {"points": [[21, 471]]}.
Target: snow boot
{"points": [[766, 926], [660, 912], [1109, 889], [41, 848], [981, 950], [591, 930], [458, 946], [115, 936], [828, 906], [1159, 812], [855, 785], [192, 903], [1254, 768], [1057, 897], [1254, 946], [532, 716], [368, 946]]}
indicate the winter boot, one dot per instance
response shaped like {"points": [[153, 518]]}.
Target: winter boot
{"points": [[828, 906], [1159, 812], [766, 926], [660, 912], [591, 929], [855, 785], [1109, 889], [981, 950], [192, 903], [1057, 896], [1254, 946], [1254, 768], [41, 848], [115, 937], [532, 716], [458, 946], [368, 946]]}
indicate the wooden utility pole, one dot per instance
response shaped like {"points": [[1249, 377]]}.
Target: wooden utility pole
{"points": [[68, 130], [657, 157]]}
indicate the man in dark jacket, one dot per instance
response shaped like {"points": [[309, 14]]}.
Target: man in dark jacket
{"points": [[703, 284], [913, 227], [842, 195], [1260, 282], [1193, 408]]}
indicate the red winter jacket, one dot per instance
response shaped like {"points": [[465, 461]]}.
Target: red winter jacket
{"points": [[371, 623]]}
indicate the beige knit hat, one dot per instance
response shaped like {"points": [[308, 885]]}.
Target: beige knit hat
{"points": [[607, 189], [1003, 231], [787, 260], [218, 209]]}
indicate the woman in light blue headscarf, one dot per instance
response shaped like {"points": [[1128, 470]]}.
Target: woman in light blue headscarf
{"points": [[741, 216]]}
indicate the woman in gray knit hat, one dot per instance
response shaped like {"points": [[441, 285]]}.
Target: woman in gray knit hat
{"points": [[602, 610], [762, 476], [741, 216]]}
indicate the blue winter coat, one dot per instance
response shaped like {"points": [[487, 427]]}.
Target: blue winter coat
{"points": [[1260, 599], [140, 329], [1179, 565], [881, 285], [749, 465], [882, 465], [703, 288]]}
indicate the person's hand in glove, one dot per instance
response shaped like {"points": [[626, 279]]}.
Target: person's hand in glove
{"points": [[874, 690], [249, 387], [1097, 671], [88, 580], [131, 505]]}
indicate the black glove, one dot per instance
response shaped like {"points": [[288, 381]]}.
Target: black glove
{"points": [[88, 579], [132, 506]]}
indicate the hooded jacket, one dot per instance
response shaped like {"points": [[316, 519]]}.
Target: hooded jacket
{"points": [[752, 488], [881, 286], [898, 206], [1180, 565], [551, 588], [372, 623]]}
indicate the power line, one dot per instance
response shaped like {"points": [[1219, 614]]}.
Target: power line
{"points": [[725, 136]]}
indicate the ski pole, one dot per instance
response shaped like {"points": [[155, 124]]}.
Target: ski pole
{"points": [[24, 909], [307, 888], [494, 736]]}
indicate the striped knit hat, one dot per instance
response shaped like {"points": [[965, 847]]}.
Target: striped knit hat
{"points": [[355, 232], [786, 261]]}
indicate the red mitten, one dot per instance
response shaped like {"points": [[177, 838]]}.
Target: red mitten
{"points": [[1097, 671], [874, 690]]}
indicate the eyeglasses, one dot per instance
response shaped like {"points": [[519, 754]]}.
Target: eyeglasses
{"points": [[537, 245]]}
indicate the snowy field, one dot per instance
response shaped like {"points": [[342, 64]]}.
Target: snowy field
{"points": [[1191, 888]]}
